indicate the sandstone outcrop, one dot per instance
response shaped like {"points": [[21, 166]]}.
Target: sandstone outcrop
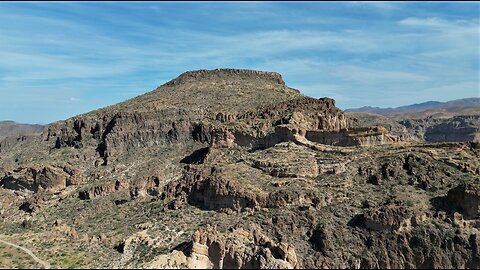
{"points": [[221, 189], [392, 218], [467, 198], [50, 178], [103, 189], [240, 248]]}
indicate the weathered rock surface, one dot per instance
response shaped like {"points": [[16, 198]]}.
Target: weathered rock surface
{"points": [[240, 248], [390, 218], [467, 198], [242, 186], [287, 160], [50, 178], [364, 119], [456, 128]]}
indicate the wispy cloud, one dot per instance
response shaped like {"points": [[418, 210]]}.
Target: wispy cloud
{"points": [[382, 5], [108, 52], [434, 22]]}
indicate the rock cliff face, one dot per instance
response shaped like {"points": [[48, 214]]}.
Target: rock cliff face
{"points": [[233, 169], [118, 129], [456, 129], [466, 198], [432, 128], [241, 248], [362, 119], [40, 177]]}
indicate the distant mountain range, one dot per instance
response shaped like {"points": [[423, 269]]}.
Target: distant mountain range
{"points": [[429, 105], [11, 128]]}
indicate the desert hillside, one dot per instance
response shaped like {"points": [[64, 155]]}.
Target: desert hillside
{"points": [[11, 128], [231, 168]]}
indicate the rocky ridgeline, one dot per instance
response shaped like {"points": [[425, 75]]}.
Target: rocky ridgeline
{"points": [[13, 129], [116, 134], [196, 75]]}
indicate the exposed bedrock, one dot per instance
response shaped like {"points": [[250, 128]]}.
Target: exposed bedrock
{"points": [[112, 134], [425, 248], [208, 189], [466, 197], [459, 128], [242, 247], [137, 187], [41, 177]]}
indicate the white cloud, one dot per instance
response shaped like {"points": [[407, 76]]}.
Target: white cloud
{"points": [[434, 22], [89, 54], [424, 22], [377, 75], [382, 5], [389, 60]]}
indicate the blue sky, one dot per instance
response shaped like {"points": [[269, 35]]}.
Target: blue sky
{"points": [[60, 59]]}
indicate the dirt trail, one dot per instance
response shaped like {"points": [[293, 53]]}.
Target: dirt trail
{"points": [[45, 264]]}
